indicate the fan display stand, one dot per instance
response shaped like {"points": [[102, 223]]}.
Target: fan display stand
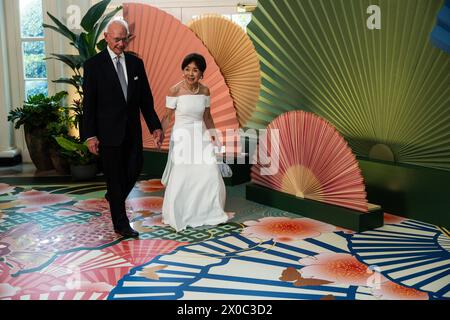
{"points": [[338, 216], [410, 191], [305, 166]]}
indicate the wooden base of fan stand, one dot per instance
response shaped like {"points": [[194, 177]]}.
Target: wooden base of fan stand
{"points": [[336, 215]]}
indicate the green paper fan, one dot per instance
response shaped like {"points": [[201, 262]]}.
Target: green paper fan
{"points": [[387, 91]]}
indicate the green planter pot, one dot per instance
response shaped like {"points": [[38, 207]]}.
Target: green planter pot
{"points": [[38, 147]]}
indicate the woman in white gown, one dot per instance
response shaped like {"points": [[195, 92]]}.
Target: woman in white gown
{"points": [[195, 192]]}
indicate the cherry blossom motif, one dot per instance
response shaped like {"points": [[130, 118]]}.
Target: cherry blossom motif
{"points": [[6, 188], [392, 219], [391, 291], [340, 268], [150, 204], [38, 199], [283, 229], [93, 205], [150, 186]]}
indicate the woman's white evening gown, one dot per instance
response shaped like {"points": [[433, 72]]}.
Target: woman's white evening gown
{"points": [[195, 192]]}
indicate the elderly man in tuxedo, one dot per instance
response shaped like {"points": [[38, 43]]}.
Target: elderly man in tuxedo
{"points": [[116, 91]]}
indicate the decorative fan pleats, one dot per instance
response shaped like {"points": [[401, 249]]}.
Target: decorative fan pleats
{"points": [[236, 57], [314, 161], [162, 42], [386, 87]]}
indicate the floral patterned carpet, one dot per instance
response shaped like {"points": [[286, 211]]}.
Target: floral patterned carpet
{"points": [[57, 243]]}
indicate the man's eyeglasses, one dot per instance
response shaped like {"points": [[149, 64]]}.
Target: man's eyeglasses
{"points": [[116, 40]]}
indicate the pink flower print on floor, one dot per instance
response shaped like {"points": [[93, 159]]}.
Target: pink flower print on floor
{"points": [[6, 188], [391, 291], [150, 186], [93, 205], [146, 204], [34, 200], [283, 229], [339, 268], [392, 219]]}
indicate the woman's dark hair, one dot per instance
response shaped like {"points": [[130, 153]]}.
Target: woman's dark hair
{"points": [[198, 59]]}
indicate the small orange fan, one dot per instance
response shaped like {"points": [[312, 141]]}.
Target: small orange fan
{"points": [[314, 161], [162, 42]]}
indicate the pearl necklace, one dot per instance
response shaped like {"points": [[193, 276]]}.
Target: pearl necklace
{"points": [[193, 92]]}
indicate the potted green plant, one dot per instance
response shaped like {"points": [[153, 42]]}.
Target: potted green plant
{"points": [[37, 113], [87, 44], [55, 129], [83, 164]]}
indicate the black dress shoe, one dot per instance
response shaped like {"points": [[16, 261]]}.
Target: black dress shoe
{"points": [[127, 233]]}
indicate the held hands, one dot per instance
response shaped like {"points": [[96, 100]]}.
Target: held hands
{"points": [[92, 145], [216, 144], [158, 137]]}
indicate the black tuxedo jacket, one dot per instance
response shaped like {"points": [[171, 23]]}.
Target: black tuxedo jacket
{"points": [[106, 113]]}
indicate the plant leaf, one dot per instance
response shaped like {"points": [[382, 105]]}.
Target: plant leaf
{"points": [[93, 15], [73, 61], [60, 28]]}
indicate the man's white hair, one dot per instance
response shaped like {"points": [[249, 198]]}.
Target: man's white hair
{"points": [[120, 20]]}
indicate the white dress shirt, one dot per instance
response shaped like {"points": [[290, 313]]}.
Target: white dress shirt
{"points": [[122, 62]]}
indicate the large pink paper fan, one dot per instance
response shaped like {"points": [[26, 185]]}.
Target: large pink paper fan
{"points": [[162, 42], [315, 162]]}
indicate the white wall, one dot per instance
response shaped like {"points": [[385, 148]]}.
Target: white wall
{"points": [[184, 9]]}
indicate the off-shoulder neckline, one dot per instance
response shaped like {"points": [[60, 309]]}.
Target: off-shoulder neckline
{"points": [[188, 95]]}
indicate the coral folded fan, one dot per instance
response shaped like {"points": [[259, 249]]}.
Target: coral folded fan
{"points": [[162, 42], [315, 162]]}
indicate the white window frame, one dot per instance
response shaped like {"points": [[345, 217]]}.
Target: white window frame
{"points": [[16, 77]]}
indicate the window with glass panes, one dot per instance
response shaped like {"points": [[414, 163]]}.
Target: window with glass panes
{"points": [[33, 47]]}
